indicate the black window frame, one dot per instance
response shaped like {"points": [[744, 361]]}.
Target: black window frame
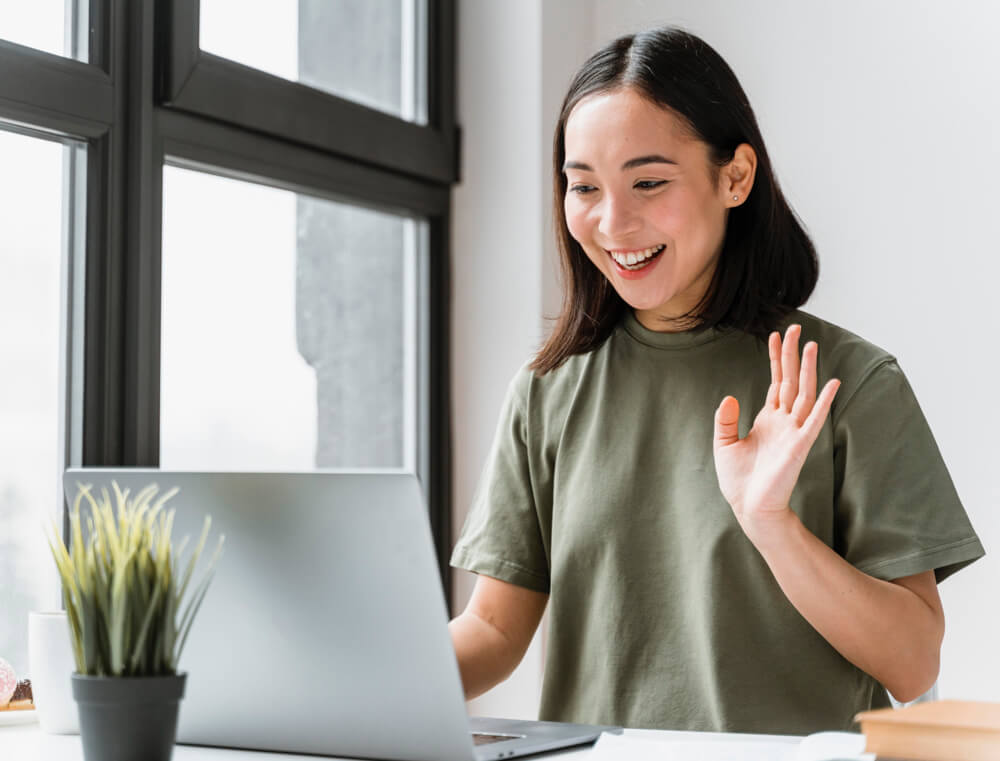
{"points": [[202, 83], [145, 99]]}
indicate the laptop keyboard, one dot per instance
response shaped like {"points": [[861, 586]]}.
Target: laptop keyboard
{"points": [[481, 738]]}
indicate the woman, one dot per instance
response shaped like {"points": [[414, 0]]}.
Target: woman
{"points": [[704, 568]]}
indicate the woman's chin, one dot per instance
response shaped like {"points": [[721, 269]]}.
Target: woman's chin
{"points": [[642, 302]]}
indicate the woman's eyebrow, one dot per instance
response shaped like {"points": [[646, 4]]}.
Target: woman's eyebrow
{"points": [[653, 158]]}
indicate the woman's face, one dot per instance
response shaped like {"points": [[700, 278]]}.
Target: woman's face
{"points": [[641, 202]]}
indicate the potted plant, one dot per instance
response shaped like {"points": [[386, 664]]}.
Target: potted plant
{"points": [[123, 591]]}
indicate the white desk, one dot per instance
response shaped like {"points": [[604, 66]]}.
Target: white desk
{"points": [[28, 743]]}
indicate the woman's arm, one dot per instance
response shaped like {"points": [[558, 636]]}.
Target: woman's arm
{"points": [[891, 630], [492, 634]]}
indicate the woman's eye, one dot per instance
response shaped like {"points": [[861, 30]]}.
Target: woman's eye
{"points": [[582, 189]]}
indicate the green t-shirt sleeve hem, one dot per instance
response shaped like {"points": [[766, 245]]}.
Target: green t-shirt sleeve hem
{"points": [[499, 568], [944, 560]]}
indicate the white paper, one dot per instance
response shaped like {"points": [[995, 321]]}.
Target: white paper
{"points": [[833, 746], [823, 746], [625, 748]]}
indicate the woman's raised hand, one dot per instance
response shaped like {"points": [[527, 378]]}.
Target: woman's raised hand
{"points": [[758, 472]]}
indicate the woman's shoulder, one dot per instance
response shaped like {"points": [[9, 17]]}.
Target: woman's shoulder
{"points": [[837, 345], [855, 361], [528, 381], [531, 388]]}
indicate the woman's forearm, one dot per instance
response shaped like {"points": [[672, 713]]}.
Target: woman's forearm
{"points": [[484, 655], [882, 627]]}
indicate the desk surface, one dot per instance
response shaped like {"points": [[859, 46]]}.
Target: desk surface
{"points": [[28, 743]]}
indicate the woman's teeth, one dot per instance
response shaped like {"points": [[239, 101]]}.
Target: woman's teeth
{"points": [[636, 260]]}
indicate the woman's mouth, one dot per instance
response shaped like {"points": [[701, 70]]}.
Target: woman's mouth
{"points": [[633, 261]]}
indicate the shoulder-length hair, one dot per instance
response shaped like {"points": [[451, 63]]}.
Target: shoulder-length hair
{"points": [[768, 265]]}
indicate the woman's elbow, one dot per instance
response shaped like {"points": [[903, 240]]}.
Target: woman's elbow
{"points": [[918, 657], [919, 680], [919, 672]]}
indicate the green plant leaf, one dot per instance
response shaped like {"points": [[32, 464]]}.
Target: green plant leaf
{"points": [[89, 639], [78, 553], [102, 598], [120, 611], [197, 554], [168, 635], [188, 618], [69, 591], [137, 660]]}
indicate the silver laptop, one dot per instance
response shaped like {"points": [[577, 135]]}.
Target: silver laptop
{"points": [[325, 628]]}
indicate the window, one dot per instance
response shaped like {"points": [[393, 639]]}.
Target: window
{"points": [[290, 329], [52, 26], [204, 217], [368, 51], [35, 267]]}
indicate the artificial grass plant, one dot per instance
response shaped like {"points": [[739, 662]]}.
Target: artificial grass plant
{"points": [[120, 583]]}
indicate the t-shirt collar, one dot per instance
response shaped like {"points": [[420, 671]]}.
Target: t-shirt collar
{"points": [[662, 340]]}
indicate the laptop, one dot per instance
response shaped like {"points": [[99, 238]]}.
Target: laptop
{"points": [[324, 630]]}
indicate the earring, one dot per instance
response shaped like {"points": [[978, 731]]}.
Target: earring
{"points": [[736, 198]]}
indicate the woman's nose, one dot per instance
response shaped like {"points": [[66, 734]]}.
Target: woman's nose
{"points": [[618, 219]]}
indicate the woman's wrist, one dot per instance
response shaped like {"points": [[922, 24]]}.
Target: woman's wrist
{"points": [[772, 531]]}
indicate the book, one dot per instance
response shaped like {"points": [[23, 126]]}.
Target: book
{"points": [[938, 730]]}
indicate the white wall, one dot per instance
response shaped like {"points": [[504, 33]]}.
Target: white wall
{"points": [[882, 120], [496, 244]]}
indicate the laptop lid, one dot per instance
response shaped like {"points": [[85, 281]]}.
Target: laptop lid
{"points": [[322, 629]]}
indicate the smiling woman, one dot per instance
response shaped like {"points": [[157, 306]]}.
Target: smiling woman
{"points": [[765, 567], [653, 226], [738, 259]]}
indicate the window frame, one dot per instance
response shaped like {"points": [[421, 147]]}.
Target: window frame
{"points": [[203, 83], [121, 105]]}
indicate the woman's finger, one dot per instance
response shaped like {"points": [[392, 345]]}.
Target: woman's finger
{"points": [[789, 367], [807, 384], [727, 423], [774, 352], [820, 410]]}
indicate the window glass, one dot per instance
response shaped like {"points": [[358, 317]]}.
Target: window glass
{"points": [[55, 26], [369, 51], [33, 236], [289, 329]]}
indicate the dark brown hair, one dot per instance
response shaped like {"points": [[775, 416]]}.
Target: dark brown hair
{"points": [[768, 265]]}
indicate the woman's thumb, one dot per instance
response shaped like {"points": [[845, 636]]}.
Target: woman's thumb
{"points": [[727, 422]]}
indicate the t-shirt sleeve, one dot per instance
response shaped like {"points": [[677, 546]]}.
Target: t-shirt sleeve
{"points": [[898, 513], [502, 536]]}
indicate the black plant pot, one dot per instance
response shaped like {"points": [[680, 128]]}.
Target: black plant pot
{"points": [[128, 718]]}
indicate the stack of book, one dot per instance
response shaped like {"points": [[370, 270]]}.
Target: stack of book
{"points": [[940, 730]]}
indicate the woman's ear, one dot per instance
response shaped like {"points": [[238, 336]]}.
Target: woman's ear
{"points": [[736, 177]]}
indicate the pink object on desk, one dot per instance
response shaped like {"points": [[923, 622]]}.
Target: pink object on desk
{"points": [[8, 682]]}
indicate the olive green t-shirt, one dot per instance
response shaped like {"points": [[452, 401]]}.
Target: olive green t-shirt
{"points": [[601, 491]]}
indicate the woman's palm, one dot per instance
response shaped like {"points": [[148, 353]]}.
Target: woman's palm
{"points": [[758, 472]]}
